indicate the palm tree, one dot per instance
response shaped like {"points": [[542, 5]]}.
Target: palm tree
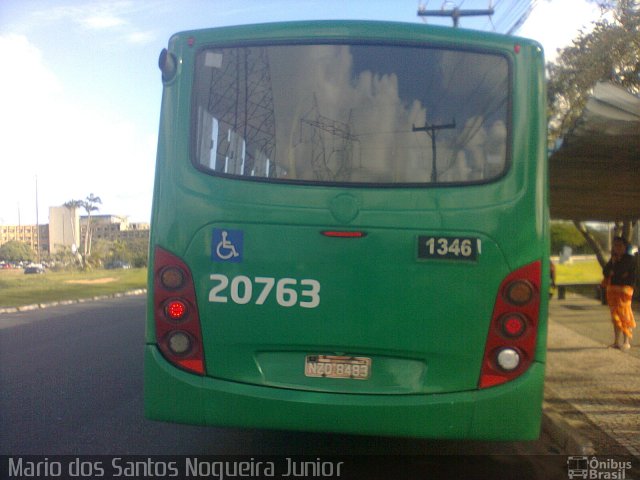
{"points": [[90, 205], [72, 206]]}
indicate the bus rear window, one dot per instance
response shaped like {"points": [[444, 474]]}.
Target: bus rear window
{"points": [[351, 114]]}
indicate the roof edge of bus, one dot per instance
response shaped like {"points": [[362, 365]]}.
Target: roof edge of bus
{"points": [[329, 27]]}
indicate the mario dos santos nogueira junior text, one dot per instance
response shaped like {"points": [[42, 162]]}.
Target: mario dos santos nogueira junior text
{"points": [[171, 467]]}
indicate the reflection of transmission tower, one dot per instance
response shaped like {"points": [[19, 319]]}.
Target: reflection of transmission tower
{"points": [[241, 99], [331, 145]]}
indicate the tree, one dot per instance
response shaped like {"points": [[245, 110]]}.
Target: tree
{"points": [[133, 251], [611, 53], [90, 205], [15, 251], [65, 258], [138, 249], [565, 233]]}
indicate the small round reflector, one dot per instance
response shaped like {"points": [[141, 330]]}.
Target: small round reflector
{"points": [[175, 309], [508, 359], [513, 325], [179, 343], [519, 292], [172, 278]]}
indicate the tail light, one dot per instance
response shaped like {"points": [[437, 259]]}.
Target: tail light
{"points": [[176, 316], [511, 342]]}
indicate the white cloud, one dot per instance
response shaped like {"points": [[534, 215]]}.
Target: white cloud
{"points": [[91, 15], [28, 70], [100, 22], [556, 23], [73, 149], [29, 97], [141, 38]]}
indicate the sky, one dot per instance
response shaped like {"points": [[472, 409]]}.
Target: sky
{"points": [[80, 89]]}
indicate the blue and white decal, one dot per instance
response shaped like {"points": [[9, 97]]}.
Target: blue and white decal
{"points": [[227, 245]]}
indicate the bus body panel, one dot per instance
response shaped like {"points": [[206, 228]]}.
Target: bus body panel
{"points": [[423, 322], [492, 414], [390, 306]]}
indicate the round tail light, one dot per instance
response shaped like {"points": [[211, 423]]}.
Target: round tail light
{"points": [[179, 343], [513, 325], [172, 278], [519, 292], [508, 359], [176, 309]]}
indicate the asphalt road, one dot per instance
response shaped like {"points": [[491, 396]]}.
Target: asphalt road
{"points": [[71, 384]]}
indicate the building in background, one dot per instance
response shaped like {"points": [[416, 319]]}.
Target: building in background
{"points": [[112, 227], [67, 229], [64, 229], [36, 237]]}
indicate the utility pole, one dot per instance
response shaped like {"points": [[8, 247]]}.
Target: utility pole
{"points": [[455, 13], [431, 131], [37, 224]]}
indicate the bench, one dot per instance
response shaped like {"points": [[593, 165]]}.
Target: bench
{"points": [[598, 291]]}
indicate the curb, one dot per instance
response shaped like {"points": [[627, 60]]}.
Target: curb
{"points": [[39, 306], [564, 435]]}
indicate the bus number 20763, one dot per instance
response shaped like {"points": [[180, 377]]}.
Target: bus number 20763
{"points": [[288, 292]]}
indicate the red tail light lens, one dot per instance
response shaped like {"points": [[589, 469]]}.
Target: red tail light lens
{"points": [[511, 341], [176, 310], [176, 316], [513, 325]]}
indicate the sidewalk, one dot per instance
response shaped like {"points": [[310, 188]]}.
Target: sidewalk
{"points": [[592, 392]]}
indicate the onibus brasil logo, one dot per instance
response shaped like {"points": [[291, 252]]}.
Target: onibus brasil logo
{"points": [[597, 468]]}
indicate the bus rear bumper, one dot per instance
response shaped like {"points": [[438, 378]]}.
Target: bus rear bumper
{"points": [[507, 412]]}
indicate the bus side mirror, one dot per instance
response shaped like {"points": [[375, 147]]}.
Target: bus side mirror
{"points": [[168, 65]]}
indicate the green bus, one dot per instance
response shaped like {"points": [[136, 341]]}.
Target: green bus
{"points": [[350, 231]]}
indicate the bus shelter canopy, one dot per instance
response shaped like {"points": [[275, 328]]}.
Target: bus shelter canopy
{"points": [[595, 174]]}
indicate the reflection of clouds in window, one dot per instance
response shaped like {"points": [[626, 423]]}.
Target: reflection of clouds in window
{"points": [[481, 88], [345, 114], [368, 104]]}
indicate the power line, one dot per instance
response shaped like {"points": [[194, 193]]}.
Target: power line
{"points": [[504, 17], [516, 16], [456, 13], [522, 18], [509, 14]]}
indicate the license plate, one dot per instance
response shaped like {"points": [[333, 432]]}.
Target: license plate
{"points": [[336, 366]]}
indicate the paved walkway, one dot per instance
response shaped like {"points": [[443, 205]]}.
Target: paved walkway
{"points": [[589, 385]]}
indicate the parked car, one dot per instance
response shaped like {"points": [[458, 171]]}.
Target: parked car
{"points": [[34, 269], [117, 264]]}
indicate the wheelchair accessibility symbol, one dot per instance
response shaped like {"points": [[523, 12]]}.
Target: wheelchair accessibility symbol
{"points": [[227, 245]]}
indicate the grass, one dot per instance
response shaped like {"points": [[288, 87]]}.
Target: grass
{"points": [[580, 271], [18, 289], [587, 271]]}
